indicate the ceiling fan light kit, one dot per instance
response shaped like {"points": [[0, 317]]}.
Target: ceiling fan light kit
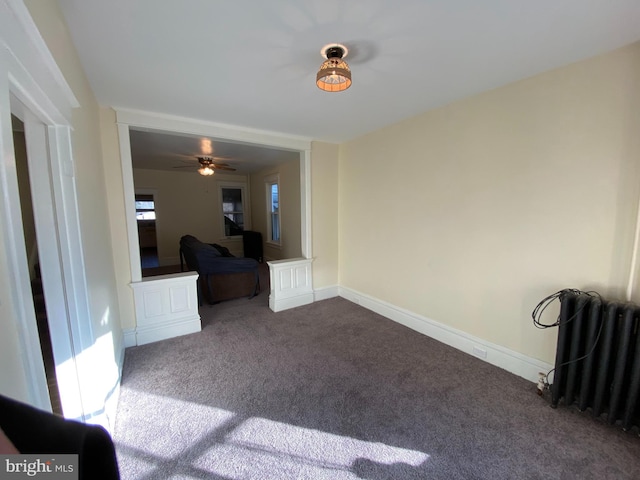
{"points": [[208, 166], [334, 74]]}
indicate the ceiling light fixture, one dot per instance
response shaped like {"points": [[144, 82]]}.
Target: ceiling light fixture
{"points": [[206, 171], [334, 74]]}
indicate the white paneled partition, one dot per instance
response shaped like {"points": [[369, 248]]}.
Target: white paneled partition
{"points": [[291, 283], [166, 306]]}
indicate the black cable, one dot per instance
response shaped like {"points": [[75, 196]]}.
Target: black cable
{"points": [[542, 306]]}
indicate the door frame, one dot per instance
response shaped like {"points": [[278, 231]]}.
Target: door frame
{"points": [[33, 87]]}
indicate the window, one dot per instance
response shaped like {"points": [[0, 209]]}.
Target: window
{"points": [[273, 209], [233, 201], [145, 207]]}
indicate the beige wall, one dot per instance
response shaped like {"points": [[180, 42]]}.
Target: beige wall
{"points": [[324, 213], [186, 204], [472, 213], [290, 220]]}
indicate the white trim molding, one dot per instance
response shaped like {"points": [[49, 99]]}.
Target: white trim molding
{"points": [[243, 186], [53, 96], [175, 123], [324, 293], [127, 118], [509, 360], [305, 202], [291, 283], [166, 307], [129, 338], [269, 181], [33, 88]]}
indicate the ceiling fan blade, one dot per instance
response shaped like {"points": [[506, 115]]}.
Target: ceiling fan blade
{"points": [[211, 159], [218, 166], [187, 166]]}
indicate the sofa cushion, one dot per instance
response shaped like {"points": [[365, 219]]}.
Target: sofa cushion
{"points": [[224, 251], [211, 260]]}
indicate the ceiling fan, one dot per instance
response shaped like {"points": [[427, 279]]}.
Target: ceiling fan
{"points": [[208, 166]]}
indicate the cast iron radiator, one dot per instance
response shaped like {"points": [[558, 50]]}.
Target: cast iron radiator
{"points": [[597, 362]]}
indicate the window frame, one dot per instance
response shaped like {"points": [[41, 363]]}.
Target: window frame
{"points": [[246, 207], [269, 181], [144, 210]]}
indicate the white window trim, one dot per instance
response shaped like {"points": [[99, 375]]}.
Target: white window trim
{"points": [[268, 181], [246, 207], [150, 191]]}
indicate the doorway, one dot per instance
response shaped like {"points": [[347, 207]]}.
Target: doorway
{"points": [[147, 233], [35, 276], [34, 89], [41, 201], [131, 123]]}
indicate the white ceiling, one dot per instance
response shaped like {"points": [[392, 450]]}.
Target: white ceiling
{"points": [[252, 63]]}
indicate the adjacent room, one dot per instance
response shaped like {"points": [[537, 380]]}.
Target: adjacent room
{"points": [[300, 239]]}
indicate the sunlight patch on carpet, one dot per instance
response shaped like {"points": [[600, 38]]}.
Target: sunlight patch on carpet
{"points": [[171, 438], [260, 445], [168, 425]]}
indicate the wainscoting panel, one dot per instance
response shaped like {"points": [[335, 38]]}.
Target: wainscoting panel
{"points": [[286, 280], [152, 302], [291, 284], [179, 296], [166, 307]]}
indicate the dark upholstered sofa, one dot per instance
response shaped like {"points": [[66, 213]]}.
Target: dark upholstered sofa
{"points": [[222, 276]]}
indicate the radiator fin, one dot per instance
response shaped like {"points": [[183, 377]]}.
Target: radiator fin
{"points": [[598, 358]]}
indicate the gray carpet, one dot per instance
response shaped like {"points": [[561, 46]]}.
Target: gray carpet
{"points": [[334, 391]]}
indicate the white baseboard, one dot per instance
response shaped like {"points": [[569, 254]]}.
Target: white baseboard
{"points": [[325, 293], [514, 362], [111, 403], [129, 337], [163, 330], [290, 302]]}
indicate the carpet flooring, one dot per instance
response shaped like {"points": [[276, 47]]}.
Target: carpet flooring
{"points": [[334, 391]]}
